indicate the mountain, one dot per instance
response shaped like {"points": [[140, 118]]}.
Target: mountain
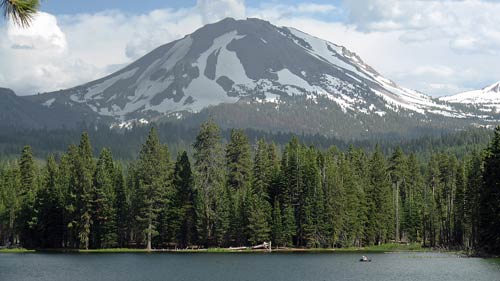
{"points": [[486, 99], [250, 73], [20, 112]]}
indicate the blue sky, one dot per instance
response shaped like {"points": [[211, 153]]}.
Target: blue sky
{"points": [[433, 46], [134, 6]]}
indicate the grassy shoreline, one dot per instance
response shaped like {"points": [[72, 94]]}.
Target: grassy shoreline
{"points": [[373, 249]]}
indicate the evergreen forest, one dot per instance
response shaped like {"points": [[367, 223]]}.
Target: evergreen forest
{"points": [[216, 193]]}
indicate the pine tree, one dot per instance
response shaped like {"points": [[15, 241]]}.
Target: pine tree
{"points": [[259, 214], [356, 179], [103, 197], [49, 206], [293, 189], [238, 161], [185, 200], [489, 199], [258, 219], [459, 206], [27, 190], [431, 192], [311, 215], [334, 193], [154, 181], [474, 183], [209, 183], [122, 205], [82, 181], [12, 203], [413, 221], [397, 172], [289, 226], [239, 180], [379, 200], [277, 231]]}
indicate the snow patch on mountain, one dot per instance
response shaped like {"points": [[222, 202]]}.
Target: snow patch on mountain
{"points": [[250, 60], [487, 99]]}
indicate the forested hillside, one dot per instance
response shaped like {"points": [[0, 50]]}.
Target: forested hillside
{"points": [[234, 193], [126, 143]]}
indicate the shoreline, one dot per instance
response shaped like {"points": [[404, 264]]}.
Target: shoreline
{"points": [[385, 248]]}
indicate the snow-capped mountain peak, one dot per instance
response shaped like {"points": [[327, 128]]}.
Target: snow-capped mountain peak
{"points": [[232, 60], [495, 88], [486, 99]]}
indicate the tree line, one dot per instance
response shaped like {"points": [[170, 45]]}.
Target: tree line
{"points": [[125, 144], [238, 194]]}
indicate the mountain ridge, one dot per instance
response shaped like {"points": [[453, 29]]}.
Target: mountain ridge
{"points": [[218, 59], [241, 70], [486, 99]]}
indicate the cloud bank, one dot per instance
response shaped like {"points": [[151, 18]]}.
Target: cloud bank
{"points": [[437, 47]]}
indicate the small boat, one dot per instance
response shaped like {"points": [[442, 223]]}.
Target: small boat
{"points": [[365, 259]]}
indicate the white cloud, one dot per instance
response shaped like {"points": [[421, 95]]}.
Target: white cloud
{"points": [[212, 11], [45, 35], [416, 47], [435, 70], [66, 51], [438, 47], [468, 25], [35, 58]]}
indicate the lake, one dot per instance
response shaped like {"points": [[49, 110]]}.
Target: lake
{"points": [[246, 266]]}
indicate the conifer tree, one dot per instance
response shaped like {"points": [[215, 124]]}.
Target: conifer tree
{"points": [[209, 171], [49, 207], [12, 203], [413, 220], [397, 172], [122, 206], [459, 206], [185, 200], [472, 200], [239, 180], [289, 226], [103, 198], [379, 200], [277, 232], [154, 181], [431, 191], [238, 161], [489, 199], [27, 190], [82, 181]]}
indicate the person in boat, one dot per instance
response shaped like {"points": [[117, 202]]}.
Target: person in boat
{"points": [[364, 258]]}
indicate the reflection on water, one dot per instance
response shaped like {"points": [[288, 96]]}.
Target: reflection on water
{"points": [[229, 267]]}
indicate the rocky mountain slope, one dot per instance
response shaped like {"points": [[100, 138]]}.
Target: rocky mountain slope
{"points": [[250, 73]]}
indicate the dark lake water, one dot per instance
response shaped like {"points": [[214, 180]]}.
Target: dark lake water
{"points": [[258, 266]]}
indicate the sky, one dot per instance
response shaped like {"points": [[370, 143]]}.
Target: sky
{"points": [[436, 47]]}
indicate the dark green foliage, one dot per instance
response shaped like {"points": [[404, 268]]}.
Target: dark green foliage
{"points": [[489, 199], [212, 204], [122, 208], [153, 190], [233, 196], [185, 201], [103, 200], [26, 194], [49, 208], [379, 201]]}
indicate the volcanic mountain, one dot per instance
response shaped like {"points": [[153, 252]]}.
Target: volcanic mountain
{"points": [[250, 73]]}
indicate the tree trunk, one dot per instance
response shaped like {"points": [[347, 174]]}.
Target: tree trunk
{"points": [[150, 229], [397, 211]]}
